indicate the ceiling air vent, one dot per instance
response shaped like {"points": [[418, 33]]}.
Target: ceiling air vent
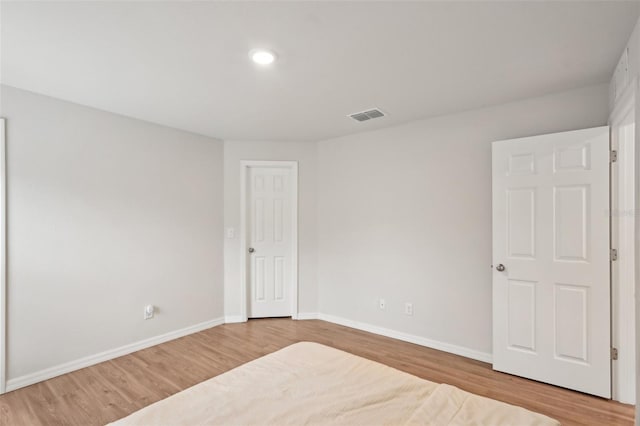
{"points": [[367, 115]]}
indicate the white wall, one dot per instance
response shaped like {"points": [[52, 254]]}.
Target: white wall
{"points": [[626, 70], [405, 214], [105, 215], [305, 153]]}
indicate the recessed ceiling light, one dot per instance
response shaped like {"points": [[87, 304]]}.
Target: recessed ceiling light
{"points": [[262, 56]]}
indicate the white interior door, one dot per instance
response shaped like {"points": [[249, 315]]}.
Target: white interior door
{"points": [[551, 277], [270, 241]]}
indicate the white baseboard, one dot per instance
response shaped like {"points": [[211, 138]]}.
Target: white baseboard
{"points": [[48, 373], [230, 319], [422, 341], [308, 315]]}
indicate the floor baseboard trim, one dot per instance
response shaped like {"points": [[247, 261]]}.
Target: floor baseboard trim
{"points": [[232, 319], [51, 372], [422, 341]]}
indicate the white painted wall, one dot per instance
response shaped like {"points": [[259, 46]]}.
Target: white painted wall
{"points": [[627, 69], [99, 225], [404, 214], [305, 153], [105, 215]]}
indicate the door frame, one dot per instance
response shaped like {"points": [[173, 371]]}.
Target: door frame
{"points": [[245, 165], [3, 257], [624, 327]]}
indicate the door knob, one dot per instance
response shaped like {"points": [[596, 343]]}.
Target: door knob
{"points": [[251, 249], [500, 268]]}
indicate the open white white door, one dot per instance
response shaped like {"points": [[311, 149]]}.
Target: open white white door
{"points": [[271, 270], [551, 278]]}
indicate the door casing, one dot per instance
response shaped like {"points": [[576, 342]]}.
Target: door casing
{"points": [[3, 257], [245, 165], [623, 322]]}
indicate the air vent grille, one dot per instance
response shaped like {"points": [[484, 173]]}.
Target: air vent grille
{"points": [[360, 116], [367, 115]]}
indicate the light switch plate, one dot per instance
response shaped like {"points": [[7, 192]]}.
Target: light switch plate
{"points": [[408, 308]]}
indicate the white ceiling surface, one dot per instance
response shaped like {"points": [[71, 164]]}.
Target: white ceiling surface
{"points": [[185, 64]]}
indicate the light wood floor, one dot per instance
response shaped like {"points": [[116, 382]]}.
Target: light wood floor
{"points": [[108, 391]]}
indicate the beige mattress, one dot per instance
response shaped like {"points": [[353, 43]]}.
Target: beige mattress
{"points": [[308, 383]]}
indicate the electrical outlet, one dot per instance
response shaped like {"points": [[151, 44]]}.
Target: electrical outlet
{"points": [[231, 233], [382, 304], [408, 308], [149, 310]]}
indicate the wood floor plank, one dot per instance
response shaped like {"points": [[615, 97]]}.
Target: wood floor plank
{"points": [[113, 389]]}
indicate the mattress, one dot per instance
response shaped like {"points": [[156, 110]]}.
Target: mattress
{"points": [[312, 384]]}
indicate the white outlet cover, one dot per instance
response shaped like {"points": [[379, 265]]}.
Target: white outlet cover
{"points": [[149, 310], [231, 233], [382, 303], [408, 308]]}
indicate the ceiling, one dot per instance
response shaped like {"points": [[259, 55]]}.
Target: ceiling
{"points": [[185, 64]]}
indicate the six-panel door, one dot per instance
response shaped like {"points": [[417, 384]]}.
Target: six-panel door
{"points": [[269, 239], [551, 303]]}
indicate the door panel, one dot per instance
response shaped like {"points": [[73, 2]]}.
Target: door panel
{"points": [[570, 222], [270, 238], [551, 302], [522, 315], [570, 326], [521, 211]]}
